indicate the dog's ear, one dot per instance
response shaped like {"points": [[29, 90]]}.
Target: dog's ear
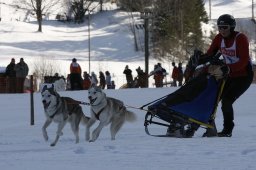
{"points": [[98, 88], [92, 85]]}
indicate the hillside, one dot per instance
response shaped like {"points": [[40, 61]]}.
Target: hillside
{"points": [[111, 41]]}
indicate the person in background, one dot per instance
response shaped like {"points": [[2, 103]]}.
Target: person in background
{"points": [[234, 47], [159, 73], [94, 80], [180, 74], [102, 80], [141, 78], [128, 75], [75, 75], [21, 69], [108, 80], [113, 85], [175, 74], [86, 81], [68, 85], [11, 77]]}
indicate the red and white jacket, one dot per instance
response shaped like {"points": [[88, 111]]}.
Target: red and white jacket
{"points": [[235, 50], [75, 68]]}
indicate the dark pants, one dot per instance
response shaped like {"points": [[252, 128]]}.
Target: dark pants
{"points": [[76, 81], [11, 84], [233, 89], [20, 84]]}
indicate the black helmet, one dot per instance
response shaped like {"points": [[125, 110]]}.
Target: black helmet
{"points": [[74, 60], [227, 19]]}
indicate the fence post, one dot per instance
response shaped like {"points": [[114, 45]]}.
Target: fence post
{"points": [[32, 115]]}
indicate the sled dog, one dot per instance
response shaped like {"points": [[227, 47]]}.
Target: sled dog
{"points": [[61, 110], [108, 111]]}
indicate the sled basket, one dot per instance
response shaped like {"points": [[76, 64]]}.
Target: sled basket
{"points": [[192, 105]]}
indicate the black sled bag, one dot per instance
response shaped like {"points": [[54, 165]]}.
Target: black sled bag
{"points": [[195, 101]]}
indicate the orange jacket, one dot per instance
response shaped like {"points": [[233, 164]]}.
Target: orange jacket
{"points": [[75, 68]]}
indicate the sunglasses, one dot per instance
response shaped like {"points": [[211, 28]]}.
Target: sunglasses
{"points": [[224, 27]]}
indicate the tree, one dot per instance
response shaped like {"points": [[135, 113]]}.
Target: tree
{"points": [[80, 7], [43, 67], [177, 27], [40, 7]]}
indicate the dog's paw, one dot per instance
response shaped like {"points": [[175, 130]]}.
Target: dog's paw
{"points": [[91, 140], [53, 144]]}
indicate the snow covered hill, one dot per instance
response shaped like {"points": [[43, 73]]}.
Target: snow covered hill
{"points": [[111, 41]]}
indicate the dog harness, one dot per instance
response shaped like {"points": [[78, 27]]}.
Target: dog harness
{"points": [[97, 115]]}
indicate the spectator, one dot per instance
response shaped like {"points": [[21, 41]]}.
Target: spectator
{"points": [[75, 75], [102, 80], [21, 72], [86, 81], [68, 85], [175, 74], [180, 74], [113, 86], [108, 80], [11, 77], [141, 78], [159, 74], [94, 80], [129, 77]]}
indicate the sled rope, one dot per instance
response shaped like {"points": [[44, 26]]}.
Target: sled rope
{"points": [[84, 103], [79, 102], [139, 108], [152, 102]]}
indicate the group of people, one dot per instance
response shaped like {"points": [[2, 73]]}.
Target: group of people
{"points": [[139, 81], [16, 75], [76, 82], [177, 74], [159, 74]]}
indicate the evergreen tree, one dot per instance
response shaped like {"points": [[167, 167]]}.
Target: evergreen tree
{"points": [[177, 27]]}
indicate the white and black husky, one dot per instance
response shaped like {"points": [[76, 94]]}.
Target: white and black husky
{"points": [[108, 111], [61, 110]]}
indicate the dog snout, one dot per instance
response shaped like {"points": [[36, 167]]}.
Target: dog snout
{"points": [[44, 101], [90, 97]]}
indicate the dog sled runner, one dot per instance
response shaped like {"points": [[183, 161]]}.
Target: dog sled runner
{"points": [[188, 108]]}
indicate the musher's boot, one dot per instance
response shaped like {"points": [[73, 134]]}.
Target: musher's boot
{"points": [[225, 133], [189, 133], [211, 132], [227, 130]]}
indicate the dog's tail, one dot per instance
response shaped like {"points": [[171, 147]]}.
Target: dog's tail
{"points": [[85, 119], [130, 116]]}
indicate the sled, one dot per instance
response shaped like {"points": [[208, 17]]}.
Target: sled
{"points": [[192, 106]]}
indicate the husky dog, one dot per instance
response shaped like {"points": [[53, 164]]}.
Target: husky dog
{"points": [[61, 110], [108, 111]]}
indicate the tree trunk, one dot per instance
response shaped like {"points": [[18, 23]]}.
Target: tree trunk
{"points": [[39, 14], [39, 25]]}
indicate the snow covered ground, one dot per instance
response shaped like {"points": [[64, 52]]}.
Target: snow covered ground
{"points": [[22, 146]]}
